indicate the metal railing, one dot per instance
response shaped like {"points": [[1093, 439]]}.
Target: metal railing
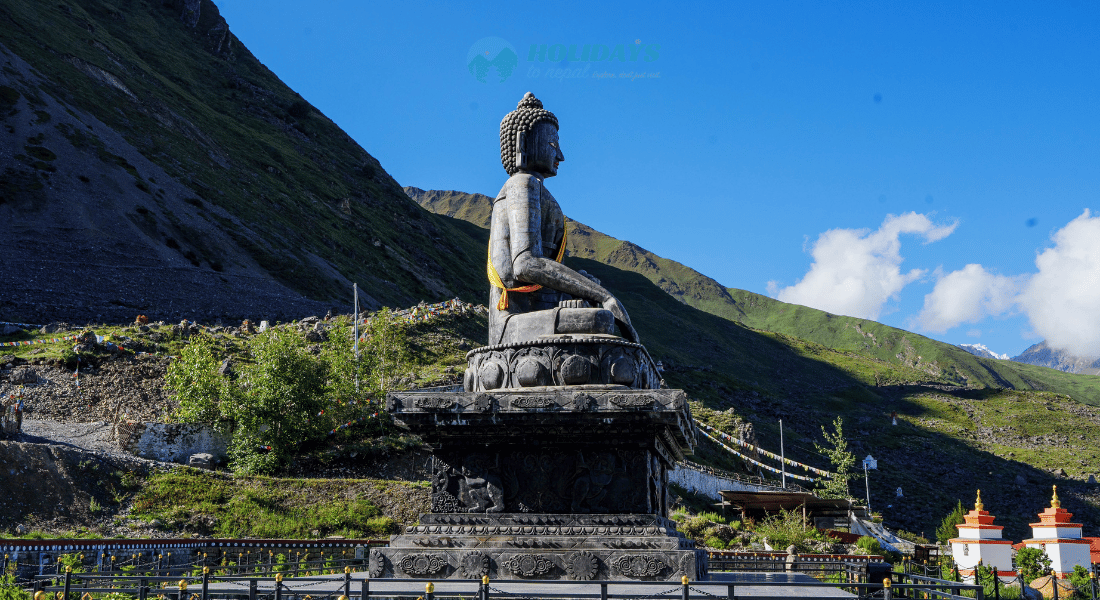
{"points": [[83, 587]]}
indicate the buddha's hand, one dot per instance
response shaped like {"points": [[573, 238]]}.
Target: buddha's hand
{"points": [[621, 319], [590, 276]]}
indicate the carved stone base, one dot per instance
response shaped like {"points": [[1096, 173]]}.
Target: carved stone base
{"points": [[548, 482], [540, 546], [561, 360]]}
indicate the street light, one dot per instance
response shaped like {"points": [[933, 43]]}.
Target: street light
{"points": [[868, 463]]}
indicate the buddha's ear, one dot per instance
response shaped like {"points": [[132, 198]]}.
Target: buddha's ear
{"points": [[521, 156]]}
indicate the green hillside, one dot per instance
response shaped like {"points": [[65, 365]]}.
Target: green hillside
{"points": [[923, 359]]}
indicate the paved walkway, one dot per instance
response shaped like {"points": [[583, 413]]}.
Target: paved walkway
{"points": [[759, 586]]}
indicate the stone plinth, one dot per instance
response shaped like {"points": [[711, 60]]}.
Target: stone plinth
{"points": [[561, 360], [546, 483], [1060, 539], [980, 543], [540, 546]]}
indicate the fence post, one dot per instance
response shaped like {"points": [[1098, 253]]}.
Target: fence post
{"points": [[997, 584], [68, 581], [1092, 583], [485, 588], [729, 592], [365, 594], [603, 591], [205, 581], [887, 592], [429, 591], [347, 581], [686, 592], [278, 586], [183, 589], [251, 589], [1054, 584]]}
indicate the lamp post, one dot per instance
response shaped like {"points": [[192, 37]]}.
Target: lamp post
{"points": [[868, 463], [782, 455]]}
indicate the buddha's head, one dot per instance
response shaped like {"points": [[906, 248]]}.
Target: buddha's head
{"points": [[529, 139]]}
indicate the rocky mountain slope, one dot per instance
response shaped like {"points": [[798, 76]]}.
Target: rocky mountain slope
{"points": [[1044, 356], [151, 164]]}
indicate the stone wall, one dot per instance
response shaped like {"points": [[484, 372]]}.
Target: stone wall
{"points": [[170, 442], [709, 484]]}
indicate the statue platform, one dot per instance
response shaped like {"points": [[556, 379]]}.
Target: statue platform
{"points": [[546, 483]]}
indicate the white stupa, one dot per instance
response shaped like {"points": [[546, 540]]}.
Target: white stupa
{"points": [[1060, 539], [980, 542]]}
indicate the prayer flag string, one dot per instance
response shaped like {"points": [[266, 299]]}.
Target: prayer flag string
{"points": [[751, 447]]}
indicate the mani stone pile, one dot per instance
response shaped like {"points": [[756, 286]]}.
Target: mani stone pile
{"points": [[553, 463]]}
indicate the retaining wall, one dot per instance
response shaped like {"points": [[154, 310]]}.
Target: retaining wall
{"points": [[170, 442]]}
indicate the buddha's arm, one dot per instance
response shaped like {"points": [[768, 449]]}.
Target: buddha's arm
{"points": [[529, 265]]}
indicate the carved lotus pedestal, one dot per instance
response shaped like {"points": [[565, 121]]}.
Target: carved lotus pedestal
{"points": [[546, 483]]}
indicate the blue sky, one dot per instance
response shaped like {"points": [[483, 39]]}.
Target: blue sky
{"points": [[923, 137]]}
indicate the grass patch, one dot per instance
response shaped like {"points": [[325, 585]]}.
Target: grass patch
{"points": [[258, 506]]}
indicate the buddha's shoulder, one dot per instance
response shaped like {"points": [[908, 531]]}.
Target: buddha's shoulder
{"points": [[521, 183]]}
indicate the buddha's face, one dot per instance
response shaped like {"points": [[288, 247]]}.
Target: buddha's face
{"points": [[544, 152]]}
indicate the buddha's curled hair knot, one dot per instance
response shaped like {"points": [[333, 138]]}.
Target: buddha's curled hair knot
{"points": [[528, 113]]}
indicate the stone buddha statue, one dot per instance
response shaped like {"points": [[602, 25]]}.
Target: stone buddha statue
{"points": [[533, 294]]}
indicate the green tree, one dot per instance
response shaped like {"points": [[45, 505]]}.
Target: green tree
{"points": [[947, 529], [277, 409], [286, 396], [836, 449], [1032, 563], [384, 349], [199, 389]]}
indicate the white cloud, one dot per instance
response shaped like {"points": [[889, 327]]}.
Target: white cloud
{"points": [[855, 271], [1062, 300], [967, 296]]}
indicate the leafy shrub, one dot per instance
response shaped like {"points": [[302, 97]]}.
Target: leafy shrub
{"points": [[1081, 580], [869, 545], [786, 528], [911, 537], [9, 590], [1032, 563], [715, 542]]}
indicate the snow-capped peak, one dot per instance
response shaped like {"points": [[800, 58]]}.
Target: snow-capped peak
{"points": [[981, 350]]}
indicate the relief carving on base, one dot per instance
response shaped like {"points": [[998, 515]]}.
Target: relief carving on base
{"points": [[475, 565], [639, 566], [377, 564], [528, 565], [422, 564], [581, 566], [434, 402], [533, 402], [478, 489], [590, 486], [631, 401]]}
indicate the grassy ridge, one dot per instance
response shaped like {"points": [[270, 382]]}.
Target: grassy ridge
{"points": [[897, 355], [941, 363]]}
